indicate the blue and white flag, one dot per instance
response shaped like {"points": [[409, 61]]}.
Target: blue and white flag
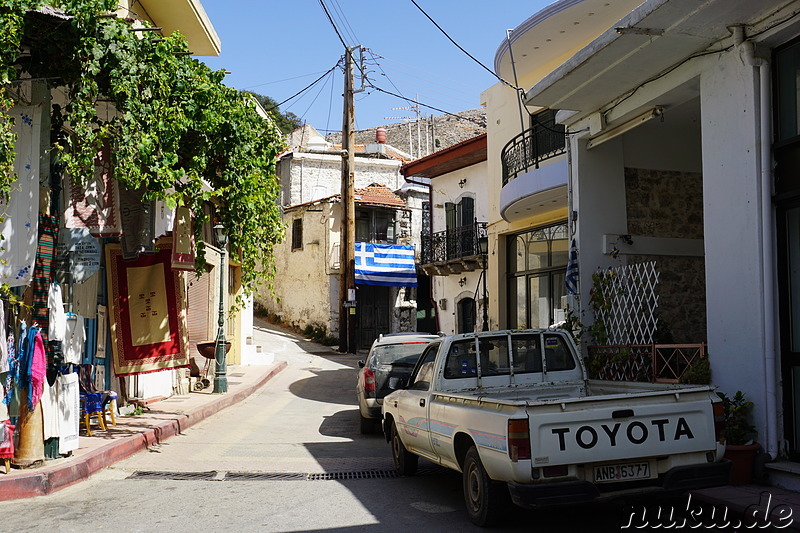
{"points": [[572, 277], [390, 265]]}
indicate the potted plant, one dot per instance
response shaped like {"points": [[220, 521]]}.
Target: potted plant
{"points": [[740, 446]]}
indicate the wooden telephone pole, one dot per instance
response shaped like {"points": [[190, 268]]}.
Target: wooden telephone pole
{"points": [[347, 284]]}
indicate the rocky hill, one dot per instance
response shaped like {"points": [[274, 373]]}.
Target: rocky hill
{"points": [[434, 133]]}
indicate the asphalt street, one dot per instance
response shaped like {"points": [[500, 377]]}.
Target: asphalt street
{"points": [[288, 458]]}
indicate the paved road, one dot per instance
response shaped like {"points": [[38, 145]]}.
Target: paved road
{"points": [[304, 421]]}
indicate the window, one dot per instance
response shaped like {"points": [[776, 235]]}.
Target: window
{"points": [[527, 354], [462, 361], [375, 225], [297, 234], [557, 355], [423, 373], [537, 261], [466, 315]]}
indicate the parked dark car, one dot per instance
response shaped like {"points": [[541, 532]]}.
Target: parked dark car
{"points": [[389, 364]]}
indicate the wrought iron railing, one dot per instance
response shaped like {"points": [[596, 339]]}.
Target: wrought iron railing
{"points": [[665, 363], [531, 147], [452, 244]]}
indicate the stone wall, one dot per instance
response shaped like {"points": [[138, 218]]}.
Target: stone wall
{"points": [[669, 204]]}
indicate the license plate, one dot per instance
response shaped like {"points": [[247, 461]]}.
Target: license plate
{"points": [[621, 472]]}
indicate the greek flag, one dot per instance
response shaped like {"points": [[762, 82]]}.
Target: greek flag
{"points": [[390, 265], [572, 277]]}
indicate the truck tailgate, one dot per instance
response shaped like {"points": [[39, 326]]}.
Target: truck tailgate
{"points": [[586, 430]]}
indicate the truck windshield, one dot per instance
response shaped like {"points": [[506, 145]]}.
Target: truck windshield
{"points": [[406, 353]]}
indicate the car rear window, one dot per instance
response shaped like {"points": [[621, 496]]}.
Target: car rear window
{"points": [[397, 353]]}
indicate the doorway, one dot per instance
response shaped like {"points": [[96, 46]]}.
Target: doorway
{"points": [[373, 313]]}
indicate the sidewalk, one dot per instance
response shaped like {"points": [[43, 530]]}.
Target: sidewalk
{"points": [[759, 507], [133, 434]]}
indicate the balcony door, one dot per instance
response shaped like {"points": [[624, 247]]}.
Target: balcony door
{"points": [[460, 220]]}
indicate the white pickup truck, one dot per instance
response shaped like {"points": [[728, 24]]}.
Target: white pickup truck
{"points": [[515, 409]]}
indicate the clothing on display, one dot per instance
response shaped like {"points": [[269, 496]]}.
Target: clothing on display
{"points": [[74, 339], [58, 318]]}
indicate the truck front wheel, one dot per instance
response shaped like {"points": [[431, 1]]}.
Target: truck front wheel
{"points": [[482, 495], [404, 461]]}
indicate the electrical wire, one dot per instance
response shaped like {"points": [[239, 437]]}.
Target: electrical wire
{"points": [[462, 49], [468, 119], [307, 87], [349, 29], [322, 86], [279, 81], [426, 72], [330, 19]]}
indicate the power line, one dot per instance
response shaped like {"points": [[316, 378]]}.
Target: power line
{"points": [[307, 87], [279, 81], [330, 19], [481, 124], [462, 49], [349, 29], [426, 72]]}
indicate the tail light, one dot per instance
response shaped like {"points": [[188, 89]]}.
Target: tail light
{"points": [[369, 379], [519, 439], [719, 421]]}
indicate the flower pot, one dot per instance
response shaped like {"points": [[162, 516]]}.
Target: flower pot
{"points": [[742, 456]]}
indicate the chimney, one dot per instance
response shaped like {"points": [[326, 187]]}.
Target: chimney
{"points": [[380, 135]]}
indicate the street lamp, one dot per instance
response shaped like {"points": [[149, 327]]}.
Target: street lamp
{"points": [[483, 248], [220, 348]]}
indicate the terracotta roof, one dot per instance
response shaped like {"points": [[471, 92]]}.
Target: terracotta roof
{"points": [[378, 195]]}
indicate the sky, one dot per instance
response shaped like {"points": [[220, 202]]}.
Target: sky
{"points": [[279, 47]]}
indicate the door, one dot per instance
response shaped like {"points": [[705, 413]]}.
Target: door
{"points": [[789, 281], [412, 407], [373, 313]]}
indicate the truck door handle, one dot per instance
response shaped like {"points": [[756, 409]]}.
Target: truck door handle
{"points": [[622, 413], [422, 402]]}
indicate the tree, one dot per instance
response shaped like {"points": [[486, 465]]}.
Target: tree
{"points": [[286, 122]]}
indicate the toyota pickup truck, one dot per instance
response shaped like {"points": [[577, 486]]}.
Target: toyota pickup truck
{"points": [[514, 412]]}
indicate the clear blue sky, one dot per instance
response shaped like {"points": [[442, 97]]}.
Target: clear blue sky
{"points": [[278, 47]]}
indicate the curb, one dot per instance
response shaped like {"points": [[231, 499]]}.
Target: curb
{"points": [[62, 476]]}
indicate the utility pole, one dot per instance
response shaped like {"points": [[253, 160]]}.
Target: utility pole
{"points": [[347, 232]]}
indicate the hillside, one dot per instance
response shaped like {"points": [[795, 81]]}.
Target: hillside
{"points": [[434, 133]]}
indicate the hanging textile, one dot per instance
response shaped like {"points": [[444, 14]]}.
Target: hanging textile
{"points": [[389, 265], [147, 310], [74, 340], [3, 340], [183, 240], [164, 219], [58, 318], [95, 207], [43, 273], [32, 366], [138, 223], [69, 407], [50, 411], [18, 225], [84, 297]]}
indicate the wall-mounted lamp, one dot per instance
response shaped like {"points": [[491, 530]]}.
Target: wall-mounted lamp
{"points": [[462, 282], [462, 182], [624, 128]]}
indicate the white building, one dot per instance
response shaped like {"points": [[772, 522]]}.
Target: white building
{"points": [[458, 210], [678, 153]]}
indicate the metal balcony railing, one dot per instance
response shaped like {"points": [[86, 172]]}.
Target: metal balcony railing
{"points": [[452, 244], [531, 147]]}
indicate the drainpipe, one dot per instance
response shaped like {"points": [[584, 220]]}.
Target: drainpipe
{"points": [[767, 236]]}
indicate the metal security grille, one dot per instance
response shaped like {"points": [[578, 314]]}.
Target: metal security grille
{"points": [[631, 302]]}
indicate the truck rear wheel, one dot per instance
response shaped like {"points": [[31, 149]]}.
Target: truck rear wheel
{"points": [[483, 497], [405, 462]]}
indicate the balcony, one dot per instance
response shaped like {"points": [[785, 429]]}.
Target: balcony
{"points": [[530, 148], [533, 156], [453, 251]]}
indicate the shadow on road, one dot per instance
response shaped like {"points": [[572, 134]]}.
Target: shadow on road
{"points": [[328, 386]]}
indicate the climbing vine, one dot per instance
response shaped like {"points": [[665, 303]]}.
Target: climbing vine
{"points": [[173, 127]]}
